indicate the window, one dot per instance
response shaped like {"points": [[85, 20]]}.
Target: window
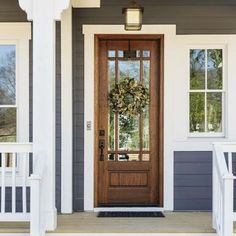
{"points": [[8, 110], [14, 84], [206, 92]]}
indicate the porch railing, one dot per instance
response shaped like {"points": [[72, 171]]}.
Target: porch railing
{"points": [[223, 188], [20, 177], [15, 187]]}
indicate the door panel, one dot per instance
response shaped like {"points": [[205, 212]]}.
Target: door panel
{"points": [[129, 160]]}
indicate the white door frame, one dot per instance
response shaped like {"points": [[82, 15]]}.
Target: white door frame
{"points": [[89, 31]]}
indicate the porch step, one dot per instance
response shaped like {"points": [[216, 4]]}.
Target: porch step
{"points": [[14, 228]]}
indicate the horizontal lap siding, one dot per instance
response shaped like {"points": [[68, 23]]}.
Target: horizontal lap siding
{"points": [[10, 11], [58, 116], [78, 114], [193, 181]]}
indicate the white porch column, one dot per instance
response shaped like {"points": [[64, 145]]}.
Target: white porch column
{"points": [[44, 13], [66, 112]]}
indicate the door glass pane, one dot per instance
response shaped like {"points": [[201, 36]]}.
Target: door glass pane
{"points": [[146, 140], [111, 157], [197, 69], [111, 130], [7, 75], [214, 69], [146, 53], [120, 53], [111, 74], [128, 157], [138, 53], [129, 69], [129, 138], [111, 53], [214, 112], [111, 115], [146, 73], [7, 124], [146, 157], [197, 110]]}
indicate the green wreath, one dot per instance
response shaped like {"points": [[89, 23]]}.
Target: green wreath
{"points": [[129, 97]]}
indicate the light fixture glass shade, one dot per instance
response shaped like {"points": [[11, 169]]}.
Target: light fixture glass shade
{"points": [[133, 16]]}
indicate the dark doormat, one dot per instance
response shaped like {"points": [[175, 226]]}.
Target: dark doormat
{"points": [[129, 214]]}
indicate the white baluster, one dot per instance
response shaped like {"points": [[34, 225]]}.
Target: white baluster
{"points": [[227, 213], [3, 183], [13, 183], [24, 174], [230, 162], [214, 191]]}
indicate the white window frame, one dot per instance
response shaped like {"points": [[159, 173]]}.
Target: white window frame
{"points": [[205, 91], [19, 34]]}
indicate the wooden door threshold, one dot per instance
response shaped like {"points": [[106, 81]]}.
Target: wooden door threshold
{"points": [[128, 205], [131, 209]]}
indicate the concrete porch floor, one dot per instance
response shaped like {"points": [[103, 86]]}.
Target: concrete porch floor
{"points": [[174, 222]]}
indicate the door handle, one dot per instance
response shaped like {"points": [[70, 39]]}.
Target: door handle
{"points": [[101, 147]]}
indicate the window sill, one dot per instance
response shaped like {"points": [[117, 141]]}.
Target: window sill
{"points": [[206, 135]]}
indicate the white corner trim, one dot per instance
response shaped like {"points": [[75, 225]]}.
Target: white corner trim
{"points": [[90, 31], [66, 112], [86, 3]]}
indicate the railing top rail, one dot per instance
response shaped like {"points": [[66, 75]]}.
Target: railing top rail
{"points": [[16, 147], [227, 146], [220, 159]]}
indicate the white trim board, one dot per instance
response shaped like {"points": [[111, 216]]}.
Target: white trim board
{"points": [[66, 112], [90, 31], [86, 3]]}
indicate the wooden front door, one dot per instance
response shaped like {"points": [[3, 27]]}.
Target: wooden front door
{"points": [[129, 149]]}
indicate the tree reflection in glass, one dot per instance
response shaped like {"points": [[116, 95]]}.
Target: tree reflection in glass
{"points": [[214, 69], [7, 93], [129, 138]]}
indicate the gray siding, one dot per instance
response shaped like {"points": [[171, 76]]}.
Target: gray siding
{"points": [[58, 116], [192, 181], [78, 116], [10, 11]]}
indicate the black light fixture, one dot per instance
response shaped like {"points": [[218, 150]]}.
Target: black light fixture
{"points": [[133, 16]]}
